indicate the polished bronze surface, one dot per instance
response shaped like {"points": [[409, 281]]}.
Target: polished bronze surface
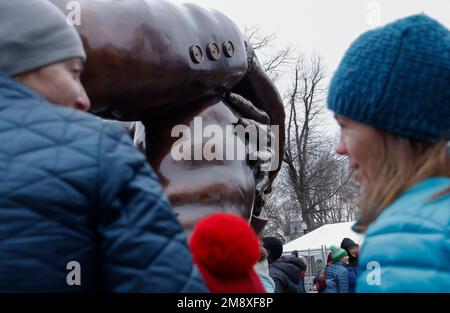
{"points": [[165, 64], [198, 187], [213, 51], [228, 49]]}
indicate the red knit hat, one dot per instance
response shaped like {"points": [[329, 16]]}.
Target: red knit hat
{"points": [[225, 249]]}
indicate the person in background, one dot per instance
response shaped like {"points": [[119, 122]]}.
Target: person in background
{"points": [[391, 98], [284, 270], [301, 285], [320, 279], [336, 277], [262, 269], [80, 208], [274, 247], [352, 249]]}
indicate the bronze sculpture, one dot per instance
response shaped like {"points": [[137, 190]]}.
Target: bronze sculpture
{"points": [[165, 64]]}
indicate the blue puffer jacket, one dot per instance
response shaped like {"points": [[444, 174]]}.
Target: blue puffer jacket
{"points": [[407, 248], [336, 278], [73, 188], [352, 276]]}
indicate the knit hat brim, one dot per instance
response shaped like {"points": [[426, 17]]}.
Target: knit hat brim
{"points": [[34, 34], [347, 244], [338, 253], [396, 78]]}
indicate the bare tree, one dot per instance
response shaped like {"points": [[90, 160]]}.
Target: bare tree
{"points": [[314, 182], [257, 39], [341, 206], [279, 206], [308, 74], [278, 214], [317, 175], [274, 62]]}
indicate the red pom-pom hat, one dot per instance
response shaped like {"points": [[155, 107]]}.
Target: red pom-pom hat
{"points": [[225, 249]]}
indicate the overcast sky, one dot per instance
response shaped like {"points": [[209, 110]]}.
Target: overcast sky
{"points": [[325, 26]]}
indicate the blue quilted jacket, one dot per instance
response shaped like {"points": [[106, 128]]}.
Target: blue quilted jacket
{"points": [[336, 278], [407, 248], [80, 208], [352, 276]]}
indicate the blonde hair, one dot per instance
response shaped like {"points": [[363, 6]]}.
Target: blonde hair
{"points": [[404, 163]]}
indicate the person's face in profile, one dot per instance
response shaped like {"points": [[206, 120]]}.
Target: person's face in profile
{"points": [[354, 251], [363, 145], [345, 260], [59, 83]]}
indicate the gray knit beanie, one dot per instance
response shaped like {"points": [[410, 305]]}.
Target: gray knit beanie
{"points": [[33, 34]]}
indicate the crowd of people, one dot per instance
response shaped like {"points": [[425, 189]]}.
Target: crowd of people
{"points": [[285, 273], [74, 188], [340, 273]]}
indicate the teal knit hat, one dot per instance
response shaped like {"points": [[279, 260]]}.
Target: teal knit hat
{"points": [[337, 253], [397, 78]]}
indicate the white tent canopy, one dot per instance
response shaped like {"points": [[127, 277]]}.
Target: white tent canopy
{"points": [[326, 235]]}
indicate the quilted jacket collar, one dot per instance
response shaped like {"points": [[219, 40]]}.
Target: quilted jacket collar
{"points": [[427, 186], [12, 89], [422, 189]]}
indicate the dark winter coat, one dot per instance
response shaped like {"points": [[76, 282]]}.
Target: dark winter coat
{"points": [[352, 276], [286, 274], [352, 268]]}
